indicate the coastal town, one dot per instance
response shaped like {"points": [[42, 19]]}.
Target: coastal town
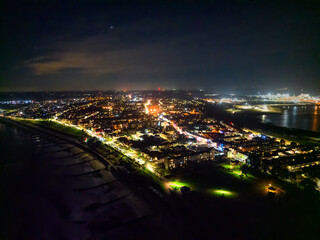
{"points": [[163, 133]]}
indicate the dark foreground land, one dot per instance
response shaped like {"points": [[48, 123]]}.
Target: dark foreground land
{"points": [[247, 213], [56, 189]]}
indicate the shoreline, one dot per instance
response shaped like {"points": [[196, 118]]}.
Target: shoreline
{"points": [[249, 119], [302, 136]]}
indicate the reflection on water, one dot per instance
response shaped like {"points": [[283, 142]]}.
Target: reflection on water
{"points": [[302, 117], [315, 124]]}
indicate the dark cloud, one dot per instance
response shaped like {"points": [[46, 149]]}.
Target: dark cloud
{"points": [[180, 44]]}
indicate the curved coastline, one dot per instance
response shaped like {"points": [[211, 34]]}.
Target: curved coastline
{"points": [[250, 119]]}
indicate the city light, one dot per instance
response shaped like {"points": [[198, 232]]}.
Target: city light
{"points": [[162, 134], [177, 185], [150, 167], [223, 192]]}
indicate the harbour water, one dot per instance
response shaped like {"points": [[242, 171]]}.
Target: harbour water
{"points": [[301, 117]]}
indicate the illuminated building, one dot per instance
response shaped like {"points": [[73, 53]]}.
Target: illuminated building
{"points": [[153, 109]]}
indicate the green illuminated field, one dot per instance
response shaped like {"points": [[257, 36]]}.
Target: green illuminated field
{"points": [[223, 192], [215, 181], [236, 172], [178, 185]]}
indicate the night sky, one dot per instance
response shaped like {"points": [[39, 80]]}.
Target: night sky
{"points": [[212, 45]]}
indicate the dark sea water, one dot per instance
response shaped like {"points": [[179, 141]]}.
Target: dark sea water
{"points": [[301, 117], [16, 156], [14, 149], [31, 207]]}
